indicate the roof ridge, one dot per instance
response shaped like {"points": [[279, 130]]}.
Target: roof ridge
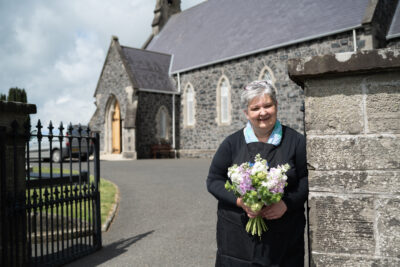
{"points": [[145, 50]]}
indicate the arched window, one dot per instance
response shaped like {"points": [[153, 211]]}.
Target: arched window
{"points": [[163, 124], [267, 74], [163, 121], [189, 116], [223, 102]]}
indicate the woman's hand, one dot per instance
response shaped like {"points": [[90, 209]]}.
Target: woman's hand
{"points": [[274, 211], [250, 213]]}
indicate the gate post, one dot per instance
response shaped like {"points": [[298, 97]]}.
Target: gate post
{"points": [[352, 121], [13, 116]]}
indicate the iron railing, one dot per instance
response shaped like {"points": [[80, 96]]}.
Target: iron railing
{"points": [[63, 205], [60, 207]]}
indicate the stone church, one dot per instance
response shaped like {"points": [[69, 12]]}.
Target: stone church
{"points": [[182, 88]]}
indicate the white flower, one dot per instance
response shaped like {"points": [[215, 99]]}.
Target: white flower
{"points": [[236, 177], [234, 174], [269, 183], [259, 167]]}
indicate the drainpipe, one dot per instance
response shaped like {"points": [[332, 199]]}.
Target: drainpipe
{"points": [[354, 40], [173, 124], [173, 115]]}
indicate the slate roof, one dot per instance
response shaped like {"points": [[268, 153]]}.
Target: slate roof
{"points": [[219, 30], [150, 70], [394, 30]]}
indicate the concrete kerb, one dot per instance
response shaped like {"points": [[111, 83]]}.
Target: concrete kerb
{"points": [[111, 157], [113, 211]]}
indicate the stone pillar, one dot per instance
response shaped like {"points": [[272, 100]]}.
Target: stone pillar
{"points": [[129, 124], [13, 250], [352, 123], [129, 147]]}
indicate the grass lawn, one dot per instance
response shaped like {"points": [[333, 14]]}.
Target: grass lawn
{"points": [[107, 192]]}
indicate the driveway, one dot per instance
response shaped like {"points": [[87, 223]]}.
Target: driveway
{"points": [[166, 216]]}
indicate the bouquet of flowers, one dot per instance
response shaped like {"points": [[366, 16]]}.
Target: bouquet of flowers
{"points": [[258, 186]]}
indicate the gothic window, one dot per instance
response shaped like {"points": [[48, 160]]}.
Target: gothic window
{"points": [[223, 101], [267, 74], [163, 125], [189, 115], [163, 121]]}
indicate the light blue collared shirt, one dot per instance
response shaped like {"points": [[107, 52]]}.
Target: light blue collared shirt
{"points": [[274, 139]]}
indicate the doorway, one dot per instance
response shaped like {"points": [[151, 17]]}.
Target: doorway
{"points": [[116, 129]]}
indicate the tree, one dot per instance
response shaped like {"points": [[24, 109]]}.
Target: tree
{"points": [[11, 95], [24, 98], [3, 97], [17, 95]]}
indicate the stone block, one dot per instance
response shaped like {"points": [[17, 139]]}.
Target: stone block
{"points": [[388, 218], [15, 178], [383, 107], [334, 107], [360, 62], [325, 260], [370, 182], [335, 45], [342, 224], [361, 44], [353, 153], [322, 87]]}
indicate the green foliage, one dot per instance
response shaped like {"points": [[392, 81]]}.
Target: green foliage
{"points": [[231, 187], [17, 95], [11, 94], [3, 97], [24, 98]]}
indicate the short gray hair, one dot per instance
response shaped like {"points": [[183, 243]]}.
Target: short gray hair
{"points": [[257, 89]]}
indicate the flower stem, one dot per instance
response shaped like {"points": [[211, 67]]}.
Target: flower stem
{"points": [[256, 226]]}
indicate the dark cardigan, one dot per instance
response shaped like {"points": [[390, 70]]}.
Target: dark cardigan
{"points": [[284, 237]]}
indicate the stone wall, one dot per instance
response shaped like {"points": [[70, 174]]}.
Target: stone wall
{"points": [[203, 139], [352, 120], [112, 83], [148, 105]]}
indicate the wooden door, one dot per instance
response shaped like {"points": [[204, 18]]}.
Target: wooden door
{"points": [[116, 130]]}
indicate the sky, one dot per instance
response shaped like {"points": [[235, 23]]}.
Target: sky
{"points": [[55, 50]]}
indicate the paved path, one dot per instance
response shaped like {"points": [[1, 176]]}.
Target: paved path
{"points": [[166, 216]]}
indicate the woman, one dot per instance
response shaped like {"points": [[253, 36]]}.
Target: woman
{"points": [[283, 243]]}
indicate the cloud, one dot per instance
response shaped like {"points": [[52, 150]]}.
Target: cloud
{"points": [[66, 109], [76, 66], [78, 69], [56, 49]]}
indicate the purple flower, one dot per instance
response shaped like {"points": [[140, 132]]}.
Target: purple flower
{"points": [[278, 188], [246, 185]]}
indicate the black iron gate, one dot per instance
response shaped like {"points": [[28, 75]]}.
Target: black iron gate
{"points": [[61, 204]]}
